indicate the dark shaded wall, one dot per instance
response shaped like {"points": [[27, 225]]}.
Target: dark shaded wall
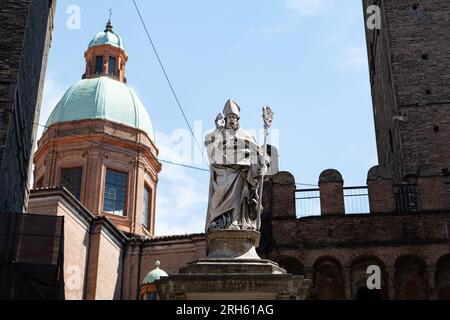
{"points": [[31, 259], [26, 35]]}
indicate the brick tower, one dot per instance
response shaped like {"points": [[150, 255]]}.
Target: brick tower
{"points": [[26, 27], [409, 59]]}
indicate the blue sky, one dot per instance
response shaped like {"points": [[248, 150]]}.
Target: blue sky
{"points": [[305, 58]]}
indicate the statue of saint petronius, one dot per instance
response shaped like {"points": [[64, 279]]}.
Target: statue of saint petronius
{"points": [[236, 163]]}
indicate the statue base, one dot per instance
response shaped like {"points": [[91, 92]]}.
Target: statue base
{"points": [[233, 271], [233, 244]]}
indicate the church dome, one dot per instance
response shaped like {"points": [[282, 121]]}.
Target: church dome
{"points": [[155, 274], [102, 98], [107, 37]]}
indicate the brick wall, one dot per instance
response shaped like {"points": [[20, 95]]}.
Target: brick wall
{"points": [[331, 245], [432, 193], [110, 264], [447, 193], [282, 195], [381, 190], [409, 60], [339, 247], [93, 247], [26, 36], [76, 241], [100, 262], [174, 252], [383, 95], [362, 229], [426, 135], [331, 192]]}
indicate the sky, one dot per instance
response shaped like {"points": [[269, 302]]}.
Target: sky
{"points": [[304, 58]]}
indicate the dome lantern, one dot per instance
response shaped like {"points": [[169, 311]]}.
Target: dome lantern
{"points": [[106, 55], [109, 27]]}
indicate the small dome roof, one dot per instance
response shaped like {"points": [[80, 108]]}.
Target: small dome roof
{"points": [[102, 98], [155, 274], [107, 37]]}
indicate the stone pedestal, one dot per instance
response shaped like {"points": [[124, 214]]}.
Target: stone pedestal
{"points": [[233, 271]]}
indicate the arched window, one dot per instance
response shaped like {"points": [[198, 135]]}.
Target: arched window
{"points": [[328, 282], [443, 278], [359, 276], [411, 278]]}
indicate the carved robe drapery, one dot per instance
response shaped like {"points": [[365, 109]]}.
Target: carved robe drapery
{"points": [[233, 196]]}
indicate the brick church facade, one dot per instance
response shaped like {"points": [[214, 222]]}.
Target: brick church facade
{"points": [[105, 247]]}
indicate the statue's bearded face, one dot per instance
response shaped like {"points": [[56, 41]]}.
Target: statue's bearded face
{"points": [[232, 121]]}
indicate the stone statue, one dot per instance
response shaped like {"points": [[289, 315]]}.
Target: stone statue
{"points": [[236, 163]]}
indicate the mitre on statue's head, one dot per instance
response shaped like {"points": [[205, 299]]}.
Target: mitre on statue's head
{"points": [[231, 107]]}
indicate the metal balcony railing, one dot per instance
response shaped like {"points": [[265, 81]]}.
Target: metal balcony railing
{"points": [[406, 198], [356, 201]]}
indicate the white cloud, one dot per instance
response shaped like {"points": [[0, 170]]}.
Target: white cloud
{"points": [[354, 59], [182, 198], [308, 7]]}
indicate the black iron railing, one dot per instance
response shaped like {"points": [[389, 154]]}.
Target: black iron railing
{"points": [[307, 202], [356, 201], [407, 198]]}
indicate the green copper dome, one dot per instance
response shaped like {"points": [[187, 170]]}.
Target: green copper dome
{"points": [[102, 98], [155, 274], [107, 37]]}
